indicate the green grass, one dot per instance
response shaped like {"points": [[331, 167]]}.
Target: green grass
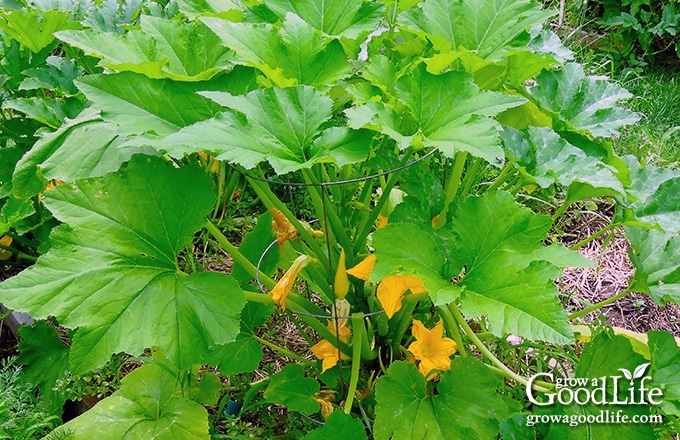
{"points": [[656, 138]]}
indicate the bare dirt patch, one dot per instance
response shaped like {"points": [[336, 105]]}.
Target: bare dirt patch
{"points": [[586, 286]]}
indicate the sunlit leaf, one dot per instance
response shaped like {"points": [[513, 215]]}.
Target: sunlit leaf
{"points": [[582, 102], [282, 126], [449, 111], [466, 404], [295, 53], [112, 271], [146, 406], [160, 49], [490, 28], [340, 19], [35, 29]]}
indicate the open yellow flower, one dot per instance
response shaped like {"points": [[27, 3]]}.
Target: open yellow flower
{"points": [[283, 228], [431, 348], [392, 288], [364, 268], [280, 292], [329, 352]]}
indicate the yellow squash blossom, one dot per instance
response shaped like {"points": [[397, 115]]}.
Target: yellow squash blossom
{"points": [[392, 288], [6, 240], [280, 292], [50, 185], [329, 352], [283, 228], [382, 221], [364, 268], [326, 406], [431, 348], [341, 282]]}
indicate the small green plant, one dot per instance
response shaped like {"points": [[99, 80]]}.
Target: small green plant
{"points": [[22, 416], [637, 30]]}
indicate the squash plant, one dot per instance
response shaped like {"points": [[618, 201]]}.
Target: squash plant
{"points": [[421, 132]]}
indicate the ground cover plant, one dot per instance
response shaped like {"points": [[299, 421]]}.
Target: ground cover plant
{"points": [[437, 145]]}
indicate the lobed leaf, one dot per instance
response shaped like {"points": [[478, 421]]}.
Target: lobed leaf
{"points": [[508, 272], [544, 158], [656, 257], [581, 102], [339, 19], [604, 356], [446, 111], [160, 49], [653, 198], [147, 405], [83, 147], [112, 271], [34, 29], [294, 53], [489, 28], [467, 404], [338, 425], [44, 359], [666, 369], [281, 126], [290, 387]]}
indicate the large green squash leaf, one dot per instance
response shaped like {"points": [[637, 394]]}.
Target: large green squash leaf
{"points": [[282, 126], [508, 271], [49, 111], [44, 359], [545, 158], [467, 404], [147, 406], [9, 156], [338, 425], [337, 18], [580, 102], [489, 28], [653, 198], [34, 29], [112, 271], [244, 354], [603, 357], [107, 15], [666, 369], [57, 75], [83, 147], [446, 111], [290, 387], [140, 105], [656, 257], [231, 9], [295, 53], [160, 49]]}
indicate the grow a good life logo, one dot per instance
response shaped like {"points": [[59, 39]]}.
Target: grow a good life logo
{"points": [[627, 389]]}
